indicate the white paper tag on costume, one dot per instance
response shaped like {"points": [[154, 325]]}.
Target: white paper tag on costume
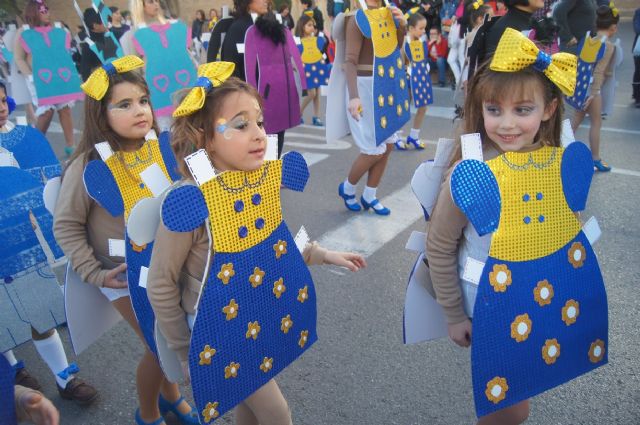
{"points": [[21, 120], [254, 16], [271, 153], [471, 146], [7, 160], [473, 270], [154, 179], [443, 152], [144, 273], [566, 135], [57, 25], [417, 242], [591, 230], [205, 37], [297, 39], [104, 150], [279, 17], [225, 11], [200, 167], [151, 135], [301, 239], [116, 248], [321, 34], [240, 48]]}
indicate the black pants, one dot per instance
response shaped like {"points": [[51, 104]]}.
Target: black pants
{"points": [[636, 79], [280, 143]]}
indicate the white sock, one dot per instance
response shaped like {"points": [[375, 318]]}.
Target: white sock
{"points": [[349, 189], [415, 133], [11, 358], [369, 195], [52, 352], [396, 136]]}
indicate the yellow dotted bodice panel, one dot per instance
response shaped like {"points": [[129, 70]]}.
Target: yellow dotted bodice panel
{"points": [[126, 168], [535, 219], [417, 50], [384, 35], [310, 51], [244, 207], [590, 49]]}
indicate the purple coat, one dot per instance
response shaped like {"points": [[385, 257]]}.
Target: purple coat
{"points": [[273, 67]]}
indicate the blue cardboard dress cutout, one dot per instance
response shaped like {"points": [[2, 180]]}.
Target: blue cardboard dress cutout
{"points": [[168, 66], [420, 81], [32, 151], [116, 184], [111, 51], [390, 88], [7, 394], [540, 316], [103, 10], [591, 51], [54, 74], [257, 309], [316, 70]]}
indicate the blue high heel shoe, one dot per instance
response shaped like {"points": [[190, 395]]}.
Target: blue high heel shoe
{"points": [[417, 143], [351, 207], [190, 418], [380, 211], [139, 420]]}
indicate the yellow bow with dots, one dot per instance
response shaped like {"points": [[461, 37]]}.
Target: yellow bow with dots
{"points": [[98, 82], [516, 52], [614, 9], [210, 75], [477, 4]]}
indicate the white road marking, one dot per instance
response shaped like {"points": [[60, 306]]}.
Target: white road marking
{"points": [[625, 172], [613, 129], [366, 232], [313, 157]]}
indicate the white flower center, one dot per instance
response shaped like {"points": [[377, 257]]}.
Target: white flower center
{"points": [[281, 247], [212, 412], [544, 293], [571, 312], [233, 370], [552, 351], [231, 310], [207, 355], [279, 287], [257, 278], [577, 255], [226, 273], [597, 351], [501, 278], [496, 390], [253, 331], [267, 365], [522, 328]]}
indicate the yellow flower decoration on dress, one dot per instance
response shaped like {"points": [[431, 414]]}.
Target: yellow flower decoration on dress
{"points": [[614, 9], [304, 335], [137, 248], [256, 278], [596, 351], [577, 254], [521, 327], [210, 412], [497, 389], [210, 75], [206, 355], [280, 248], [381, 101], [500, 277], [253, 329], [515, 52], [286, 323], [97, 84], [231, 310], [303, 294], [551, 351], [267, 364], [226, 272], [570, 312], [278, 288], [231, 371], [476, 4], [543, 293]]}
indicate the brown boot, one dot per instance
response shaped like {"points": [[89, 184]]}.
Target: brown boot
{"points": [[25, 379], [78, 391]]}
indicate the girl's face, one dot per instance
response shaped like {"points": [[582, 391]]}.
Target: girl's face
{"points": [[4, 108], [129, 113], [259, 6], [419, 30], [151, 8], [239, 141], [373, 4], [309, 28], [512, 124], [43, 14], [116, 17]]}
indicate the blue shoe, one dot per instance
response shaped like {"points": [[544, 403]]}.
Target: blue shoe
{"points": [[139, 420], [417, 143], [399, 144], [317, 122], [185, 418], [351, 207], [381, 211], [600, 165]]}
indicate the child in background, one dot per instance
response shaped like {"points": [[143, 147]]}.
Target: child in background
{"points": [[315, 70], [313, 12], [438, 51]]}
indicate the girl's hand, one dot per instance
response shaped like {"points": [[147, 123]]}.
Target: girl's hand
{"points": [[460, 333], [398, 16], [355, 108], [350, 260], [572, 42], [40, 410], [111, 278], [185, 372]]}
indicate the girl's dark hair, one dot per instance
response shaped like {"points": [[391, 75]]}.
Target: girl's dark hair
{"points": [[269, 27], [492, 86], [11, 104], [241, 7], [200, 14], [284, 6], [96, 126], [605, 18], [191, 132], [32, 13], [415, 18], [474, 14], [304, 20]]}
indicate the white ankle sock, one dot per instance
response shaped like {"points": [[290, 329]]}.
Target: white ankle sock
{"points": [[396, 136], [11, 358], [369, 195], [52, 352], [415, 133], [349, 189]]}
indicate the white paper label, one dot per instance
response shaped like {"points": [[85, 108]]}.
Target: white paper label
{"points": [[144, 273], [297, 40], [21, 120], [471, 146], [240, 48], [155, 180], [205, 37], [151, 135], [200, 167], [566, 136], [591, 230], [271, 153], [6, 159], [443, 152], [279, 17], [473, 270], [301, 239], [104, 150], [116, 248], [417, 242]]}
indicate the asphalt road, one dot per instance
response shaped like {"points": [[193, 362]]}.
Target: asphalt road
{"points": [[359, 372]]}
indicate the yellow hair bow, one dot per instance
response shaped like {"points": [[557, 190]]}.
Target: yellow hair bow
{"points": [[98, 82], [516, 52], [477, 4], [614, 9], [210, 75]]}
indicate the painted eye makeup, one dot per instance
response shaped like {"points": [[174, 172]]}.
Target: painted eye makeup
{"points": [[238, 123]]}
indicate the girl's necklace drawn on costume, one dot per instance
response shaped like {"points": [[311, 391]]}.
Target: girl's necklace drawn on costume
{"points": [[246, 183], [530, 162], [138, 161]]}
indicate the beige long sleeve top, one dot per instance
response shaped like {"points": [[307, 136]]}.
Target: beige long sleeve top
{"points": [[83, 228], [178, 266], [604, 67], [22, 58]]}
